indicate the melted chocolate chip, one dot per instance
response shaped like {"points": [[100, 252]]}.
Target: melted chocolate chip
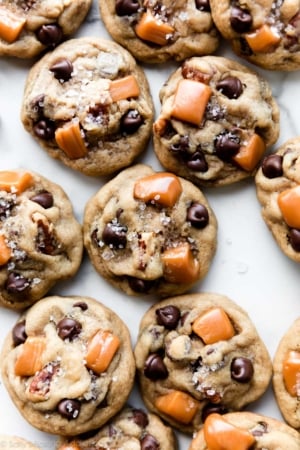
{"points": [[294, 239], [203, 5], [149, 442], [50, 34], [197, 162], [114, 235], [141, 286], [69, 408], [82, 305], [168, 316], [240, 19], [131, 121], [19, 335], [231, 87], [154, 367], [241, 369], [197, 215], [44, 129], [211, 408], [16, 284], [126, 7], [44, 199], [272, 166], [62, 69], [140, 418], [68, 328], [227, 145]]}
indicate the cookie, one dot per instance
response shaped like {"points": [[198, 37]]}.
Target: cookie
{"points": [[150, 232], [287, 375], [131, 429], [263, 32], [13, 442], [68, 364], [206, 130], [245, 430], [156, 32], [197, 354], [28, 28], [41, 241], [88, 104], [278, 191]]}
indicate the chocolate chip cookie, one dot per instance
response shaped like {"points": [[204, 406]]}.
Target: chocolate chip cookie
{"points": [[278, 191], [150, 232], [68, 364], [88, 104], [286, 378], [265, 32], [132, 429], [41, 241], [29, 27], [216, 121], [13, 442], [197, 354], [158, 31], [245, 430]]}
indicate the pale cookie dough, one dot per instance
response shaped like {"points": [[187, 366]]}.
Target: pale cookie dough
{"points": [[132, 429], [286, 378], [264, 32], [245, 430], [217, 119], [88, 105], [15, 443], [29, 27], [41, 241], [197, 354], [150, 232], [68, 364], [159, 31], [278, 191]]}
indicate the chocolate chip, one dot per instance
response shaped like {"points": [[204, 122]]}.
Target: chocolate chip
{"points": [[202, 5], [294, 238], [231, 87], [240, 19], [44, 129], [211, 408], [181, 146], [140, 418], [227, 144], [68, 328], [149, 442], [16, 283], [62, 69], [168, 316], [82, 305], [127, 7], [50, 34], [141, 286], [44, 199], [114, 235], [45, 241], [69, 408], [197, 215], [197, 162], [272, 166], [19, 335], [154, 367], [131, 121], [241, 369]]}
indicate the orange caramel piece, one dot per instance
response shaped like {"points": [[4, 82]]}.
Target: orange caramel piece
{"points": [[262, 39], [213, 326], [29, 360], [5, 252], [221, 435], [11, 25], [70, 140], [162, 188], [291, 372], [69, 446], [15, 180], [249, 155], [289, 204], [101, 350], [191, 98], [180, 266], [153, 30], [123, 88], [179, 405]]}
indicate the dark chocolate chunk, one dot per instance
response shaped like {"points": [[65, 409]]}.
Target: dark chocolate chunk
{"points": [[19, 335], [140, 418], [16, 283], [272, 166], [126, 7], [69, 408], [241, 369], [197, 162], [82, 305], [154, 367], [68, 328], [227, 144], [44, 199], [168, 316], [197, 215], [230, 86], [149, 442], [62, 69], [294, 238], [45, 241], [211, 408], [141, 286], [50, 34], [44, 129], [203, 5], [114, 235], [131, 121], [240, 19]]}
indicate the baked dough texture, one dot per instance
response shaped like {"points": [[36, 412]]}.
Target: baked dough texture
{"points": [[14, 442]]}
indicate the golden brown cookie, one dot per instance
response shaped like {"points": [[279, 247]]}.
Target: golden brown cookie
{"points": [[14, 442]]}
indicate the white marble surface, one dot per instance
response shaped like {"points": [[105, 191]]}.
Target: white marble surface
{"points": [[248, 266]]}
